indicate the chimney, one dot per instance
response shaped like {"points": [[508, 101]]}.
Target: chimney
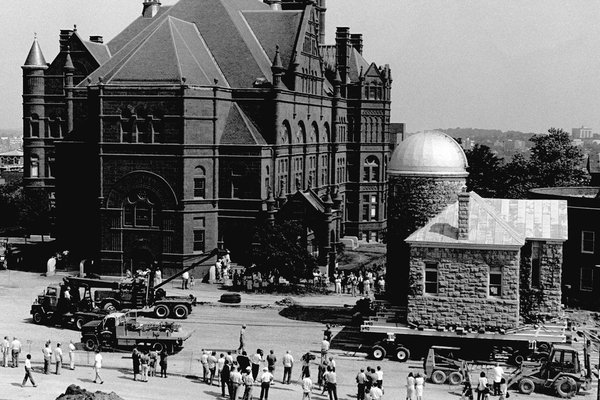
{"points": [[463, 214], [63, 39], [97, 39], [356, 39], [150, 9], [275, 4], [342, 45]]}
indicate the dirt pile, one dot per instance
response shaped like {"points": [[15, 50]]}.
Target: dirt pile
{"points": [[74, 392]]}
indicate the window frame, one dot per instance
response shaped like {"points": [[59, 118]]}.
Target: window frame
{"points": [[431, 266], [495, 271], [537, 250], [590, 287], [583, 242], [196, 242]]}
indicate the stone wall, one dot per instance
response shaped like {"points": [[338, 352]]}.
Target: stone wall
{"points": [[463, 292]]}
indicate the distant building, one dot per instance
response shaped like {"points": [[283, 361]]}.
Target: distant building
{"points": [[12, 159], [581, 266], [593, 167], [582, 133]]}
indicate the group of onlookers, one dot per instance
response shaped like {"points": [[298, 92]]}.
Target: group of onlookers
{"points": [[363, 283], [145, 362]]}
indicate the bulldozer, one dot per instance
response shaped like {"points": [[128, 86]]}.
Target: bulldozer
{"points": [[442, 364], [561, 373]]}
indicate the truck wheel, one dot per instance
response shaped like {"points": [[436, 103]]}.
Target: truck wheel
{"points": [[517, 359], [438, 377], [90, 344], [161, 311], [526, 386], [565, 387], [180, 311], [109, 306], [158, 347], [402, 354], [38, 317], [79, 322], [378, 352], [455, 378]]}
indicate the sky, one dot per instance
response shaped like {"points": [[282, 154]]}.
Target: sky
{"points": [[512, 65]]}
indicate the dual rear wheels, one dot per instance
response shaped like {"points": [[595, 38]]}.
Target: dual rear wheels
{"points": [[179, 311], [454, 378]]}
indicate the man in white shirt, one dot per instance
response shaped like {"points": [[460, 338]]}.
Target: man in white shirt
{"points": [[204, 362], [255, 361], [265, 383], [324, 348], [15, 348], [28, 372], [5, 351], [71, 355], [47, 352], [185, 280], [307, 386], [376, 393], [97, 367], [498, 373], [288, 363]]}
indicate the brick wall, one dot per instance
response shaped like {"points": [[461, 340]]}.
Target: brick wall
{"points": [[463, 295]]}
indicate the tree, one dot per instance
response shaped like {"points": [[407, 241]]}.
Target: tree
{"points": [[484, 171], [280, 247], [517, 178], [35, 214], [555, 161]]}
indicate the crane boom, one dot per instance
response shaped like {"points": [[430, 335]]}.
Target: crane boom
{"points": [[194, 265]]}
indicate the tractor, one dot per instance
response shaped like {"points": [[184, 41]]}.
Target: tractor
{"points": [[562, 373], [390, 346], [442, 364]]}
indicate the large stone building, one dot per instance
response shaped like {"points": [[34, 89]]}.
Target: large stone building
{"points": [[199, 118], [462, 260]]}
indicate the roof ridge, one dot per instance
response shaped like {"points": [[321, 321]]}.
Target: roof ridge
{"points": [[169, 19], [252, 129], [174, 26]]}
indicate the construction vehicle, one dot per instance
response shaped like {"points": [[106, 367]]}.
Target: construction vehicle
{"points": [[123, 331], [443, 364], [562, 373], [110, 295], [390, 346]]}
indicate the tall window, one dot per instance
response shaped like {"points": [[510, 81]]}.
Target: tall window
{"points": [[587, 241], [536, 255], [128, 126], [199, 235], [495, 281], [35, 125], [199, 183], [324, 170], [371, 169], [586, 281], [237, 176], [34, 167], [54, 125], [140, 210], [431, 278], [370, 208]]}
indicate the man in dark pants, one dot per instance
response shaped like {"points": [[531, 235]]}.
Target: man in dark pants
{"points": [[331, 378], [225, 378], [361, 380], [265, 383]]}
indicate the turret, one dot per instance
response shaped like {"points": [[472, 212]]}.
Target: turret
{"points": [[277, 69]]}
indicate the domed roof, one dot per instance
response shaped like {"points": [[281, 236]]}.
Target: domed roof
{"points": [[428, 153]]}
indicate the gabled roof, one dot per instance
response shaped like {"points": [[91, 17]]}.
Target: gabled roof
{"points": [[357, 62], [275, 28], [308, 197], [99, 51], [133, 29], [497, 223], [169, 51], [239, 129]]}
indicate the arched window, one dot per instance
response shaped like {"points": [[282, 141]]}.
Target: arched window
{"points": [[371, 169], [54, 125], [285, 133], [199, 183], [325, 134], [314, 133], [300, 133], [34, 166], [35, 125], [140, 210]]}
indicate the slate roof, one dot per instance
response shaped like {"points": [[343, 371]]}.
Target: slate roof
{"points": [[496, 223], [165, 52], [239, 129], [99, 51], [357, 61], [35, 58]]}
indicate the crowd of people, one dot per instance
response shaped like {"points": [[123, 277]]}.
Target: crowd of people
{"points": [[360, 283]]}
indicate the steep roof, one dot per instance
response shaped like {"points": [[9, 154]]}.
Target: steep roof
{"points": [[496, 223], [239, 129], [99, 51], [166, 52], [357, 62], [35, 58]]}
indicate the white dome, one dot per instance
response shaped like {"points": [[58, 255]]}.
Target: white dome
{"points": [[428, 153]]}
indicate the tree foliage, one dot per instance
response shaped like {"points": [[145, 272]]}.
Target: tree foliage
{"points": [[29, 210], [280, 248], [483, 171]]}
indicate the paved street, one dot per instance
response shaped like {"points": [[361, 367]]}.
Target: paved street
{"points": [[215, 327]]}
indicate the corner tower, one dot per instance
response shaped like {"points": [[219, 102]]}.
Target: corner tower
{"points": [[425, 174]]}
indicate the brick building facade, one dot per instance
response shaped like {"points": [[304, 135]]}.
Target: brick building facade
{"points": [[201, 117]]}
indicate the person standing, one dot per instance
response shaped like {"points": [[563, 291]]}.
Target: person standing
{"points": [[144, 362], [242, 346], [379, 374], [224, 378], [58, 358], [71, 355], [185, 280], [235, 382], [324, 348], [28, 372], [331, 379], [265, 383], [5, 351], [361, 380], [288, 364], [271, 360], [47, 352], [97, 367], [212, 366], [220, 365], [204, 363], [498, 375], [248, 383], [410, 387], [135, 358], [255, 360], [229, 357], [15, 349], [307, 386], [376, 393], [305, 364], [419, 384], [482, 387], [163, 363], [243, 361]]}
